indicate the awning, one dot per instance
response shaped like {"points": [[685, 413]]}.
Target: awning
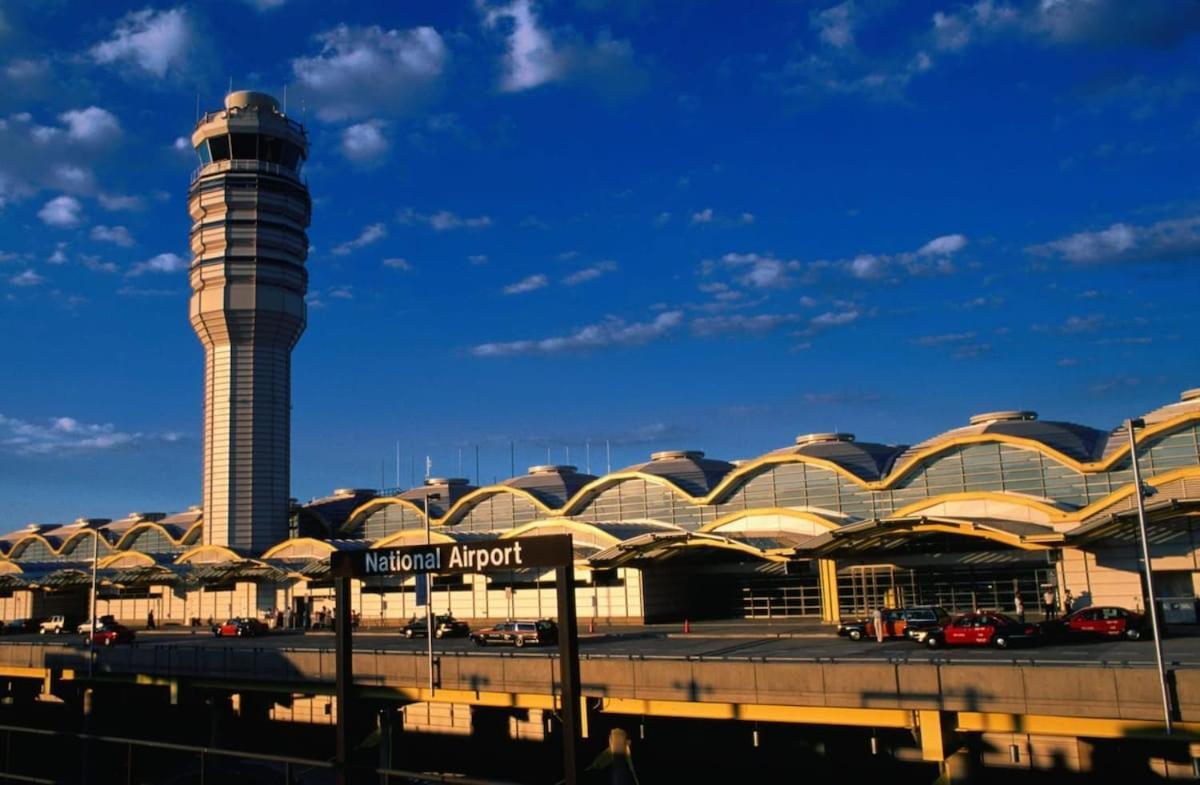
{"points": [[1122, 526], [892, 534]]}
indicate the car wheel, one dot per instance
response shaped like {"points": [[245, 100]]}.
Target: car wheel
{"points": [[932, 642], [855, 635], [1133, 634], [240, 633], [216, 633], [438, 635], [480, 642], [408, 634], [1000, 642], [108, 641], [519, 642]]}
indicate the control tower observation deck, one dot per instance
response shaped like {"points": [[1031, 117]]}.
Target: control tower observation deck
{"points": [[249, 212]]}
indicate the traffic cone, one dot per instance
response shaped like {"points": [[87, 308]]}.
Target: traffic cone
{"points": [[687, 627]]}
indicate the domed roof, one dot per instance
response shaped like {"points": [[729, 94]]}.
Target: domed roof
{"points": [[450, 489], [552, 485], [865, 460], [336, 509], [1071, 439], [1188, 403], [688, 469]]}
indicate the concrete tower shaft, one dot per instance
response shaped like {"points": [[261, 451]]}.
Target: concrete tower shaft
{"points": [[249, 212]]}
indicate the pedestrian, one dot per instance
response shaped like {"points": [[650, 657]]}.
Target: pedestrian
{"points": [[1020, 607], [877, 620], [1048, 603], [150, 619], [279, 620], [1068, 603]]}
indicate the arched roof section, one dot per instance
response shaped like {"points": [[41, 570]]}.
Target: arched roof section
{"points": [[462, 508], [354, 520], [552, 485], [209, 554], [588, 533], [688, 470], [989, 504], [441, 536], [589, 492], [171, 532], [192, 535], [877, 534], [334, 510], [9, 567], [1182, 412], [126, 559], [75, 539], [311, 548], [754, 520], [867, 461], [656, 546]]}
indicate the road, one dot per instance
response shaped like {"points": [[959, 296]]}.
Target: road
{"points": [[1179, 651]]}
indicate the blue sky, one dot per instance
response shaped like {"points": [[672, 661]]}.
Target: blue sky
{"points": [[665, 225]]}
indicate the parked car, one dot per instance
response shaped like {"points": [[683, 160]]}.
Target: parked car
{"points": [[239, 627], [83, 628], [897, 623], [55, 625], [518, 633], [444, 626], [984, 628], [19, 627], [109, 634], [1099, 622]]}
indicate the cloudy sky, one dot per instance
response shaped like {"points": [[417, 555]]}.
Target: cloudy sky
{"points": [[660, 225]]}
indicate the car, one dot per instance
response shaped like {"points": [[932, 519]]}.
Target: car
{"points": [[19, 627], [239, 627], [55, 625], [1100, 622], [444, 626], [518, 633], [897, 623], [83, 628], [980, 628], [110, 634]]}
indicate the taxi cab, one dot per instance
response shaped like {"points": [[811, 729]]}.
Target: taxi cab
{"points": [[982, 628]]}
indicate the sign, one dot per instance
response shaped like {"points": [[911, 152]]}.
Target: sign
{"points": [[551, 550]]}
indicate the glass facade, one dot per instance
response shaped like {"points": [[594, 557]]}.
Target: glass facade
{"points": [[498, 513]]}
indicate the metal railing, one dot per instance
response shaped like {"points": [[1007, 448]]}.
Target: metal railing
{"points": [[246, 165]]}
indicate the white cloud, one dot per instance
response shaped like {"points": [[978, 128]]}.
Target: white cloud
{"points": [[944, 338], [535, 56], [98, 265], [398, 263], [1171, 240], [478, 258], [58, 257], [364, 143], [836, 25], [163, 263], [944, 245], [182, 144], [26, 278], [61, 211], [741, 323], [760, 271], [24, 70], [834, 318], [528, 284], [590, 273], [116, 202], [369, 234], [113, 234], [92, 125], [362, 71], [68, 435], [155, 42], [704, 216], [531, 59], [443, 220], [611, 332]]}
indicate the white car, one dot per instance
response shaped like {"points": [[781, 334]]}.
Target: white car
{"points": [[55, 625], [89, 625]]}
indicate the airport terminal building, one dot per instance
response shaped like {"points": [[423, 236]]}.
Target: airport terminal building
{"points": [[826, 527], [1006, 505]]}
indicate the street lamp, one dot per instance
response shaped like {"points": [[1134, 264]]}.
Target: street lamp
{"points": [[1140, 494], [92, 631], [428, 577]]}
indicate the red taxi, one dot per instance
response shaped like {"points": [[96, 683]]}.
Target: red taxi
{"points": [[983, 628]]}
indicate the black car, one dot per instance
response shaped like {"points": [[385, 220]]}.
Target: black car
{"points": [[19, 627], [444, 626], [897, 623], [518, 633]]}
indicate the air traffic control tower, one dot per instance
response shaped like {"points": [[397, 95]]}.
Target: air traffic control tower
{"points": [[249, 210]]}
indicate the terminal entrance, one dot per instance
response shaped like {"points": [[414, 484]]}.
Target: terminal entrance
{"points": [[781, 597], [957, 588]]}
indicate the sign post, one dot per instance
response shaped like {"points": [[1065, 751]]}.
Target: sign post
{"points": [[552, 550]]}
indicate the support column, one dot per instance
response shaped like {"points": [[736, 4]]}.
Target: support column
{"points": [[831, 610]]}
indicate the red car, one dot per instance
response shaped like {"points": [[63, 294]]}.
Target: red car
{"points": [[1101, 622], [109, 634], [242, 627], [985, 628]]}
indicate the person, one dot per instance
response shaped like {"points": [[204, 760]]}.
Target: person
{"points": [[877, 620], [1020, 608], [279, 620], [150, 619], [321, 617], [1048, 603], [1068, 603]]}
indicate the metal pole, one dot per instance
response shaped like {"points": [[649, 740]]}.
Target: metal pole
{"points": [[428, 578], [1151, 605], [344, 685], [568, 663], [92, 631]]}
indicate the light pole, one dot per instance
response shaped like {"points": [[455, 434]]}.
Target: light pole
{"points": [[92, 630], [1139, 492], [428, 578]]}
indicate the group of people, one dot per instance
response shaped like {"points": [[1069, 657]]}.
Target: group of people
{"points": [[291, 620], [1049, 604]]}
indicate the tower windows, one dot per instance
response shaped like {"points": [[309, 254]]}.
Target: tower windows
{"points": [[251, 147], [219, 146]]}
